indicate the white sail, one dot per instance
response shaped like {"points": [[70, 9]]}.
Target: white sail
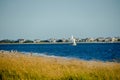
{"points": [[73, 41]]}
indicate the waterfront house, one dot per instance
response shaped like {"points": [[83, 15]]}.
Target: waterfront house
{"points": [[108, 39], [114, 39], [21, 40], [77, 40], [90, 40], [52, 40], [83, 40], [100, 39], [37, 41]]}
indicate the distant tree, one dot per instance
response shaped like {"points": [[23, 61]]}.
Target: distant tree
{"points": [[44, 41], [16, 41], [60, 40], [7, 41], [119, 39], [28, 41]]}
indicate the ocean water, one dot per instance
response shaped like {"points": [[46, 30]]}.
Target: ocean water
{"points": [[84, 51]]}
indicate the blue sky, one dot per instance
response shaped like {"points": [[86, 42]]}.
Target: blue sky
{"points": [[44, 19]]}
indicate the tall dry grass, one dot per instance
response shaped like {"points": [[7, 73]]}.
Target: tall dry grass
{"points": [[17, 66]]}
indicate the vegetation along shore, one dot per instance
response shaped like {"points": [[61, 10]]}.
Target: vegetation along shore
{"points": [[64, 40], [18, 66]]}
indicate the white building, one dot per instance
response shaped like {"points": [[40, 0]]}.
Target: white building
{"points": [[21, 40], [90, 39], [36, 40], [52, 40], [114, 39]]}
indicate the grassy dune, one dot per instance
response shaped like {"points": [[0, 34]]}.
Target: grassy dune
{"points": [[17, 66]]}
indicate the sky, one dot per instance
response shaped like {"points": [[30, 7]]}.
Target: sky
{"points": [[44, 19]]}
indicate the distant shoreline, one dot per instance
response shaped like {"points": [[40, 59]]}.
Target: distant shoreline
{"points": [[62, 43]]}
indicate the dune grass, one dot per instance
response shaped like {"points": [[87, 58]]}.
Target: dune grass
{"points": [[17, 66]]}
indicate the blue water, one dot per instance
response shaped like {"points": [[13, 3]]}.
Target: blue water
{"points": [[85, 51]]}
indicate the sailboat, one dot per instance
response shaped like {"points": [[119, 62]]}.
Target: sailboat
{"points": [[73, 41]]}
